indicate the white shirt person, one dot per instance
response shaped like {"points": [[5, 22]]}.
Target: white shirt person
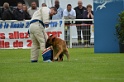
{"points": [[33, 8], [69, 13]]}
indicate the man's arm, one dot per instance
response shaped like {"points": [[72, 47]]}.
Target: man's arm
{"points": [[15, 13], [73, 16], [61, 12], [65, 14], [4, 16], [45, 14]]}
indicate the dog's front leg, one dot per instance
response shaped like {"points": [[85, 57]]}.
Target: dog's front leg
{"points": [[58, 53]]}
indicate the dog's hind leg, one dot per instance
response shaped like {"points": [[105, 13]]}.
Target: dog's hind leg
{"points": [[61, 56], [67, 54]]}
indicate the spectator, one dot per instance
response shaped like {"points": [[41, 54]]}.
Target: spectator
{"points": [[1, 11], [33, 8], [79, 15], [7, 14], [88, 14], [18, 13], [27, 16], [44, 5], [68, 13], [86, 32], [59, 14]]}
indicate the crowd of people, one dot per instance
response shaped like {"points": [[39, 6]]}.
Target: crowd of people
{"points": [[22, 12]]}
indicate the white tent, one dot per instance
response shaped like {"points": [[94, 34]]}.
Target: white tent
{"points": [[49, 3]]}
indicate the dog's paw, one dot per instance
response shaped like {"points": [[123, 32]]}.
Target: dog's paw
{"points": [[55, 58]]}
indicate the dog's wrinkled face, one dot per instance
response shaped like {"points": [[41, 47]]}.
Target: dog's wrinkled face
{"points": [[50, 40]]}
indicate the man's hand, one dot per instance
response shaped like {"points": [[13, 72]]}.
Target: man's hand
{"points": [[46, 25]]}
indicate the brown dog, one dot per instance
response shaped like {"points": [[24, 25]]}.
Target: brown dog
{"points": [[59, 47]]}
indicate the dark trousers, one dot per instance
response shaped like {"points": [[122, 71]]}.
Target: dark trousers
{"points": [[67, 34], [86, 34]]}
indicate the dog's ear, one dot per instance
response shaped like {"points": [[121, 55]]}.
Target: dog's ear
{"points": [[53, 39], [47, 43], [50, 35]]}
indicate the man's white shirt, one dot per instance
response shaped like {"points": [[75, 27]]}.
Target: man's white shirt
{"points": [[31, 11], [71, 13], [42, 14]]}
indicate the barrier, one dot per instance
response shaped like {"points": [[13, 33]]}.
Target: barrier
{"points": [[79, 35], [13, 34]]}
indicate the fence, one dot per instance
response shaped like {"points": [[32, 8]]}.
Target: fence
{"points": [[79, 35], [13, 34]]}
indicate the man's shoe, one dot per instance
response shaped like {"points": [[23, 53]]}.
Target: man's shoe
{"points": [[33, 61]]}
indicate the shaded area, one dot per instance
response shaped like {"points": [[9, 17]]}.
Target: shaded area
{"points": [[11, 2]]}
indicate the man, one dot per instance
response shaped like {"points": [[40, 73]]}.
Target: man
{"points": [[7, 14], [68, 13], [37, 33], [80, 9], [44, 5], [59, 14], [33, 8], [18, 13]]}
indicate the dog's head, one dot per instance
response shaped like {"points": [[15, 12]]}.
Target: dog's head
{"points": [[50, 40]]}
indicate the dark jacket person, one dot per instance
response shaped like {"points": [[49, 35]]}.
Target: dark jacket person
{"points": [[86, 29], [80, 9], [18, 13], [88, 14], [25, 10], [7, 14]]}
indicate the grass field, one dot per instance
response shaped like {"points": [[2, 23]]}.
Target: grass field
{"points": [[84, 66]]}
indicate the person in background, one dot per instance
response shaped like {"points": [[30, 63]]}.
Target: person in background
{"points": [[68, 13], [44, 5], [1, 11], [18, 13], [80, 9], [33, 8], [59, 14], [86, 29], [88, 14], [27, 16], [7, 14]]}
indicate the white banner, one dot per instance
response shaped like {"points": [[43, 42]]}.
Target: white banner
{"points": [[14, 34]]}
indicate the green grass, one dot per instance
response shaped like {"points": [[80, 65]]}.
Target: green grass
{"points": [[84, 66]]}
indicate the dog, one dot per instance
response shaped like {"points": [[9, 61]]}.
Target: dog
{"points": [[48, 45], [59, 48]]}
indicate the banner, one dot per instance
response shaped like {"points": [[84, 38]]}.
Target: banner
{"points": [[105, 18], [14, 34]]}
